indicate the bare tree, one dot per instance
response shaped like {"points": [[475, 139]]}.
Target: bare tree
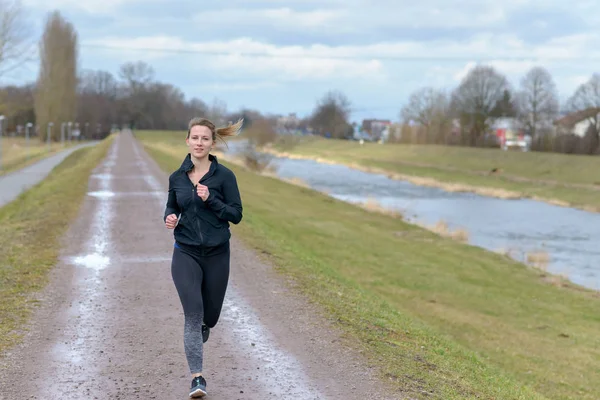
{"points": [[217, 111], [195, 107], [16, 102], [477, 97], [537, 100], [424, 105], [15, 43], [97, 102], [429, 108], [56, 94], [586, 99], [330, 116], [164, 107], [98, 82], [137, 76], [144, 103], [137, 79], [587, 96]]}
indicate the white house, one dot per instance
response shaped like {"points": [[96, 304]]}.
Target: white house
{"points": [[578, 122]]}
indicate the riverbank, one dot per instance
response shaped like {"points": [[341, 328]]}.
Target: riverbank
{"points": [[30, 231], [558, 179], [444, 320]]}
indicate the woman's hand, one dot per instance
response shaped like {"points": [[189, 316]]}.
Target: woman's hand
{"points": [[202, 191], [171, 221]]}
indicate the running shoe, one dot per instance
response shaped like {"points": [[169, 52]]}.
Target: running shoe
{"points": [[198, 387], [205, 333]]}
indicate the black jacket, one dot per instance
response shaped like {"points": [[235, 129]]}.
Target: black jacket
{"points": [[204, 223]]}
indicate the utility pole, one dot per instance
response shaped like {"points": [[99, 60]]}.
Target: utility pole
{"points": [[1, 132], [48, 134], [27, 127]]}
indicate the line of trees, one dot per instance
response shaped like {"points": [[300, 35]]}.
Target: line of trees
{"points": [[465, 115], [96, 100]]}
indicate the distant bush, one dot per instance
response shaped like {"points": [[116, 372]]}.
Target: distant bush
{"points": [[261, 132], [288, 142], [573, 144], [589, 144], [255, 160]]}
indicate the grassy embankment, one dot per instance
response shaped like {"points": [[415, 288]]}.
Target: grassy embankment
{"points": [[16, 154], [31, 228], [568, 180], [438, 318]]}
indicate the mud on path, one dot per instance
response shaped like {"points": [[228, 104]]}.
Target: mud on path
{"points": [[110, 325]]}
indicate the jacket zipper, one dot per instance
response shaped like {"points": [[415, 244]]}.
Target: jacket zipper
{"points": [[208, 174], [196, 214]]}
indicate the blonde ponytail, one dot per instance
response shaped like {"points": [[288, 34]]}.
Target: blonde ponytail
{"points": [[217, 133], [231, 130]]}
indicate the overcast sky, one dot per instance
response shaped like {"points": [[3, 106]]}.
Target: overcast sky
{"points": [[390, 47]]}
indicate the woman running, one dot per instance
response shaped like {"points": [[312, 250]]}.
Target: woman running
{"points": [[203, 199]]}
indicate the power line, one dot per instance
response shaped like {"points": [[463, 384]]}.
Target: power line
{"points": [[341, 57]]}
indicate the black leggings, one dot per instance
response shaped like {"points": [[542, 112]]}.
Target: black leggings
{"points": [[201, 283]]}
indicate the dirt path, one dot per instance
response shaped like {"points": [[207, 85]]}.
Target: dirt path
{"points": [[110, 323]]}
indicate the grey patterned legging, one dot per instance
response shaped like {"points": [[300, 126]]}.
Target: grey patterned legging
{"points": [[201, 283]]}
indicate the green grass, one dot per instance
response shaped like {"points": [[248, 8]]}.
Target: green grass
{"points": [[433, 315], [16, 154], [572, 179], [30, 231]]}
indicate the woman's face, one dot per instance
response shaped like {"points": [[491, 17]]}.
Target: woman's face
{"points": [[200, 141]]}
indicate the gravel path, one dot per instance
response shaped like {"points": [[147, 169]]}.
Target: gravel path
{"points": [[16, 182], [110, 323]]}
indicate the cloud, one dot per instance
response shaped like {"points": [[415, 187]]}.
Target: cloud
{"points": [[378, 54], [227, 57], [438, 15], [394, 68], [577, 80], [511, 69], [361, 17], [507, 51], [577, 45], [439, 63], [86, 6], [282, 18], [356, 17], [234, 86]]}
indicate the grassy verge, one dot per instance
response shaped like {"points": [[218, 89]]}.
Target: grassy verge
{"points": [[16, 154], [438, 318], [30, 231], [569, 180]]}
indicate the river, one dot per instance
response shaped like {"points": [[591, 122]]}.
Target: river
{"points": [[520, 227]]}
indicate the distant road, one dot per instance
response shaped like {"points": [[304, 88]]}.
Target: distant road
{"points": [[16, 182]]}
